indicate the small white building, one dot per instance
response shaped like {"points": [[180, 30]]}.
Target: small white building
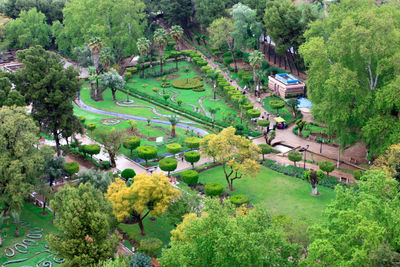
{"points": [[284, 84]]}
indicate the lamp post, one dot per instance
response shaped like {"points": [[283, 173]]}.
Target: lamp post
{"points": [[305, 154]]}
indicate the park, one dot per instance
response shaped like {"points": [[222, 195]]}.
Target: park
{"points": [[239, 133]]}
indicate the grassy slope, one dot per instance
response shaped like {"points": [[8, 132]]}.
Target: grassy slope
{"points": [[280, 194]]}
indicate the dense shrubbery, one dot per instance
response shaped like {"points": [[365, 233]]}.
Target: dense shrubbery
{"points": [[150, 245], [190, 177]]}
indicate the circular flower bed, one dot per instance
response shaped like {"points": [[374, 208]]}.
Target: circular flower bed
{"points": [[110, 122], [187, 83], [125, 103]]}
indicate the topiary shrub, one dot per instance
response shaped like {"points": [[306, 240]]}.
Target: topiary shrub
{"points": [[190, 177], [131, 143], [192, 157], [132, 70], [128, 76], [263, 123], [140, 259], [192, 142], [187, 83], [145, 85], [71, 168], [82, 119], [239, 200], [150, 245], [295, 157], [128, 173], [91, 126], [146, 153], [213, 189], [168, 164], [174, 148], [247, 106], [253, 113], [92, 149], [105, 164]]}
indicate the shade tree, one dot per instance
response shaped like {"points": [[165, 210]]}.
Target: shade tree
{"points": [[99, 179], [237, 155], [112, 142], [147, 195]]}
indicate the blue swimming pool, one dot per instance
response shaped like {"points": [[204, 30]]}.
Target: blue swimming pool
{"points": [[303, 103]]}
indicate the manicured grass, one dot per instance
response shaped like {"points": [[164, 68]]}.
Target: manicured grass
{"points": [[154, 130], [189, 97], [283, 112], [280, 194], [30, 214], [160, 228]]}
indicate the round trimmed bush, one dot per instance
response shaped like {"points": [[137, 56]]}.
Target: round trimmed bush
{"points": [[192, 157], [131, 143], [128, 173], [192, 142], [146, 153], [187, 84], [239, 200], [174, 148], [150, 245], [91, 126], [213, 189], [253, 113], [247, 106], [92, 149], [71, 168], [190, 177], [82, 119], [263, 123], [168, 164]]}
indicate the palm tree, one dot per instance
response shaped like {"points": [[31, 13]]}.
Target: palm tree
{"points": [[256, 58], [143, 46], [95, 45], [161, 40], [173, 120], [176, 33], [213, 111]]}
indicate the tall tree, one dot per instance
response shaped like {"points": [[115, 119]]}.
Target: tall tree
{"points": [[118, 23], [112, 141], [112, 80], [223, 237], [237, 155], [161, 40], [98, 178], [20, 160], [349, 44], [206, 11], [84, 218], [28, 29], [176, 33], [147, 195], [143, 46], [50, 88], [247, 30], [256, 59], [221, 33], [361, 226], [177, 12]]}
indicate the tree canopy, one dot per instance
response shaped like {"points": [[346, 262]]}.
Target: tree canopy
{"points": [[118, 23], [353, 72]]}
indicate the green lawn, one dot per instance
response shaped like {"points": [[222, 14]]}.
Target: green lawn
{"points": [[31, 215], [283, 112], [189, 97], [160, 228], [154, 130], [279, 193]]}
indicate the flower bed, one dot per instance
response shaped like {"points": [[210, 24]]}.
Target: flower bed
{"points": [[187, 83]]}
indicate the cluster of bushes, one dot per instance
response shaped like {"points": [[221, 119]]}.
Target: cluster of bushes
{"points": [[129, 72], [329, 182], [87, 152]]}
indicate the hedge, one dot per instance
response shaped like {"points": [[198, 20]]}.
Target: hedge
{"points": [[213, 189], [187, 83]]}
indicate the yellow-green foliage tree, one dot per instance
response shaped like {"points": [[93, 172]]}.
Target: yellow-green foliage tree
{"points": [[147, 195], [237, 155]]}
